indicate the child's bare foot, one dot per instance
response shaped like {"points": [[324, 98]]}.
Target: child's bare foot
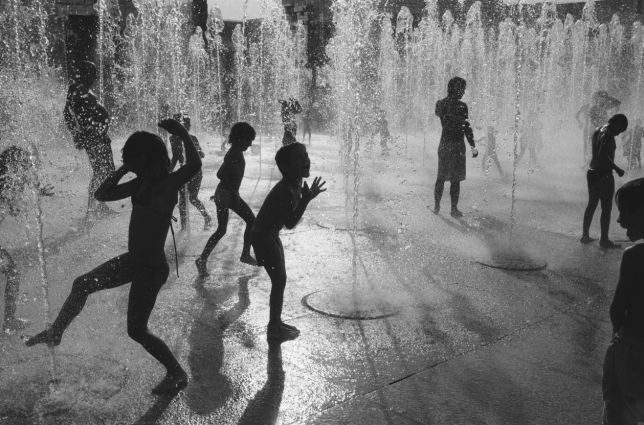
{"points": [[207, 224], [248, 260], [286, 325], [172, 383], [201, 266], [281, 332], [608, 244], [44, 337], [586, 239], [12, 324], [456, 213]]}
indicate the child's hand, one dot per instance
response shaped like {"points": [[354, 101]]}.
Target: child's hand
{"points": [[620, 172], [315, 189], [46, 190], [172, 126], [475, 152]]}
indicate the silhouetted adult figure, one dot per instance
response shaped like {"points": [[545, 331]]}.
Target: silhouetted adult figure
{"points": [[623, 377], [200, 18], [453, 114], [290, 108], [595, 115], [601, 183], [88, 121]]}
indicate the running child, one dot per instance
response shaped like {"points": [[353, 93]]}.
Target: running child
{"points": [[227, 196], [154, 196], [195, 183], [14, 166], [490, 150], [283, 207], [623, 379]]}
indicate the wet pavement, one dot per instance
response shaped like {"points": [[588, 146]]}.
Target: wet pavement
{"points": [[465, 343]]}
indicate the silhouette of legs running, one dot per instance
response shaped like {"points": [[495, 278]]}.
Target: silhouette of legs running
{"points": [[11, 290], [600, 190], [193, 186], [101, 160]]}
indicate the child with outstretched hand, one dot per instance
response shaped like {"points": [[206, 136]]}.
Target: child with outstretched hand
{"points": [[154, 196], [623, 380], [283, 207]]}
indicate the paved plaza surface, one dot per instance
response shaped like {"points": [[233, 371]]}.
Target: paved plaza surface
{"points": [[466, 343]]}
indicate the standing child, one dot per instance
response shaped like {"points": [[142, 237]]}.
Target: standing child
{"points": [[154, 196], [283, 207], [623, 380], [490, 150], [14, 165], [227, 196], [195, 183]]}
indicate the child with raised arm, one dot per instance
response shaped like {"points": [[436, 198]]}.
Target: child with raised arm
{"points": [[194, 184], [283, 207], [227, 196], [14, 166], [154, 196], [623, 380]]}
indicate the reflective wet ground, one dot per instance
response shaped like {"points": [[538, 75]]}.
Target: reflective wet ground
{"points": [[468, 344]]}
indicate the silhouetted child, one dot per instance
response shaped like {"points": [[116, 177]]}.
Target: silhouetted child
{"points": [[195, 183], [453, 114], [633, 145], [595, 114], [154, 196], [530, 141], [601, 183], [227, 196], [14, 168], [88, 121], [623, 380], [290, 108], [200, 19], [283, 207], [489, 141], [381, 130]]}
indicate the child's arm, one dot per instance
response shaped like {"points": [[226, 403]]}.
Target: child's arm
{"points": [[193, 162], [626, 277], [110, 190], [177, 152], [198, 146], [308, 194]]}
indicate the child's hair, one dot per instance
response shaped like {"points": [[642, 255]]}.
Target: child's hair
{"points": [[455, 85], [619, 121], [284, 155], [13, 155], [149, 146], [184, 119], [241, 131], [631, 195]]}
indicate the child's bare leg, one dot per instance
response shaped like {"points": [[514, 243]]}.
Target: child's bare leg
{"points": [[146, 284], [243, 210], [193, 193], [113, 273], [454, 193], [11, 290], [222, 224], [438, 194]]}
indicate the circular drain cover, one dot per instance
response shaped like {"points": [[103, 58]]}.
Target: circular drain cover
{"points": [[354, 304], [83, 382], [510, 262]]}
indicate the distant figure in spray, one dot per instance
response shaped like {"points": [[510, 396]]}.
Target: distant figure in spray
{"points": [[530, 141], [154, 196], [290, 108], [633, 145], [381, 131], [623, 378], [194, 184], [227, 196], [595, 114], [306, 124], [601, 183], [453, 114], [88, 122], [14, 169], [283, 207], [489, 141], [200, 19]]}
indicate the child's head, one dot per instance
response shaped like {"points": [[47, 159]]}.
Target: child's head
{"points": [[13, 160], [618, 124], [184, 119], [456, 87], [630, 202], [293, 161], [145, 153], [241, 135]]}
